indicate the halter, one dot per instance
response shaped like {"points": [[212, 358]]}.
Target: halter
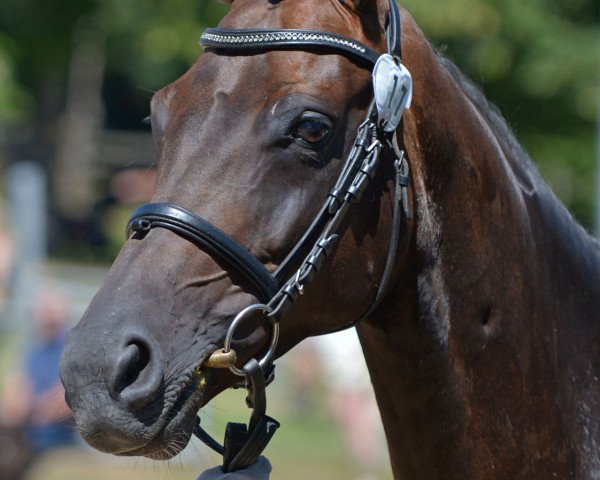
{"points": [[277, 291]]}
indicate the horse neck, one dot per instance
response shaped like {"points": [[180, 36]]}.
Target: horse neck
{"points": [[466, 351]]}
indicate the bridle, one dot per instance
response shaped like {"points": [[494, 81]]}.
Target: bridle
{"points": [[277, 291]]}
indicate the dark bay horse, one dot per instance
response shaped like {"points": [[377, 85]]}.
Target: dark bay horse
{"points": [[484, 352]]}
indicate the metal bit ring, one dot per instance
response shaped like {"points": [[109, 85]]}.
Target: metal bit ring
{"points": [[258, 307]]}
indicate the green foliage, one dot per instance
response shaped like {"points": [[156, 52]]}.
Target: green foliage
{"points": [[35, 46], [14, 101], [538, 60], [150, 42], [42, 32], [154, 41]]}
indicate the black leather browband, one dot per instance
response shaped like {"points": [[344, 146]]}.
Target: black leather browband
{"points": [[286, 39]]}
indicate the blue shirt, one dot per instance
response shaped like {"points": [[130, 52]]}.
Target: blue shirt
{"points": [[42, 364], [42, 370]]}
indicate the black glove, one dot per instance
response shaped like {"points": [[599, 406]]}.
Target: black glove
{"points": [[257, 471]]}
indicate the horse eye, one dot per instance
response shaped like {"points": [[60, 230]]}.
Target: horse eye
{"points": [[311, 130]]}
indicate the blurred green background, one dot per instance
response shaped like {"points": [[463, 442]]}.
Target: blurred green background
{"points": [[63, 60], [76, 77]]}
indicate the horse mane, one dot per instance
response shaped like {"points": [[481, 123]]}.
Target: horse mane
{"points": [[533, 185], [491, 113]]}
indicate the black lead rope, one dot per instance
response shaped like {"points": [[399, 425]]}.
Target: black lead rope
{"points": [[244, 444]]}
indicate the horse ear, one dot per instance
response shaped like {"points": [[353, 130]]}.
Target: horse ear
{"points": [[372, 8], [365, 6]]}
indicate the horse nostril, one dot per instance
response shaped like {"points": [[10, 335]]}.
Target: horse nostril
{"points": [[137, 378], [135, 359]]}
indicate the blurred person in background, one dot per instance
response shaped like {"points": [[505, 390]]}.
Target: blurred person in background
{"points": [[33, 398]]}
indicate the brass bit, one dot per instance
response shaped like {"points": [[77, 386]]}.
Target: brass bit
{"points": [[221, 359]]}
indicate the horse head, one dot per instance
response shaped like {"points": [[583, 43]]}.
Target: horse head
{"points": [[480, 325], [249, 145]]}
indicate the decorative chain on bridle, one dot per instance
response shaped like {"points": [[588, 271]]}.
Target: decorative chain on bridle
{"points": [[278, 291]]}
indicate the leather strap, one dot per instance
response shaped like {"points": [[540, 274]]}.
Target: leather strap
{"points": [[287, 39], [334, 199], [208, 237], [393, 31], [303, 246], [400, 205], [244, 443]]}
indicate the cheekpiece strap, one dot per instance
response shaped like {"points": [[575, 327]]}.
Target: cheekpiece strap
{"points": [[286, 39], [393, 31]]}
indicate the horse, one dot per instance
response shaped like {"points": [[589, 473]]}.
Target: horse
{"points": [[476, 305]]}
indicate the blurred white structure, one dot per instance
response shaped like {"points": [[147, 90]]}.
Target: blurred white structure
{"points": [[27, 204]]}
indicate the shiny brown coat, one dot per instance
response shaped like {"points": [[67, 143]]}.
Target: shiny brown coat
{"points": [[484, 354]]}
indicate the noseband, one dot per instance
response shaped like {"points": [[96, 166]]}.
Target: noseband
{"points": [[277, 291]]}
